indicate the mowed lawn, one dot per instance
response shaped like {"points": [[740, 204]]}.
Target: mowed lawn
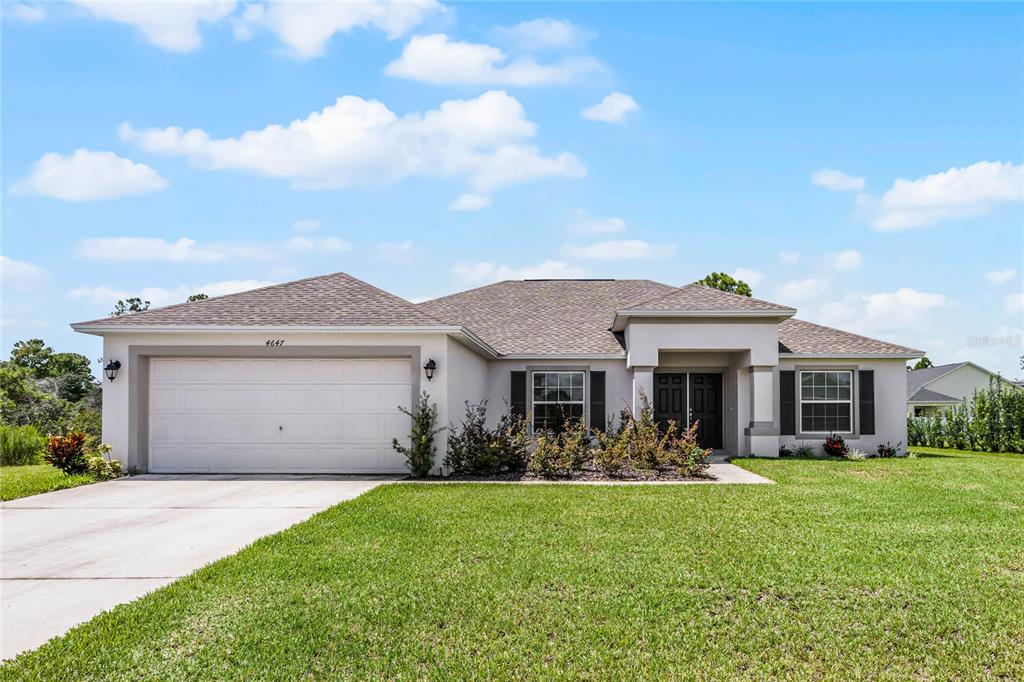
{"points": [[33, 479], [888, 569]]}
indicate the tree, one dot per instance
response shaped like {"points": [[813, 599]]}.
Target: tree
{"points": [[725, 282], [129, 305], [196, 297], [33, 355], [923, 363]]}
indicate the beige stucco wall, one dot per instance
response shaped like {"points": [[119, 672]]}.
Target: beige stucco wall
{"points": [[646, 338], [961, 383]]}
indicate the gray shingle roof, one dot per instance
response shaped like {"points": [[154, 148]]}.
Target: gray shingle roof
{"points": [[917, 378], [545, 317], [700, 298], [923, 395], [336, 300], [797, 336]]}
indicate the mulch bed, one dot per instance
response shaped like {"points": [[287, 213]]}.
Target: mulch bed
{"points": [[587, 474]]}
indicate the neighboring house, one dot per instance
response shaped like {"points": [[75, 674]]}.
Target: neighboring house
{"points": [[308, 376], [935, 389]]}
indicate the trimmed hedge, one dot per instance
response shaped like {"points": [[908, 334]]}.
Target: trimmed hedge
{"points": [[993, 421]]}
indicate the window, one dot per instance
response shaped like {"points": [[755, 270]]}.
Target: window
{"points": [[557, 396], [826, 402]]}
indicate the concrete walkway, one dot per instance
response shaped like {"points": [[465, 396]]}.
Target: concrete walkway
{"points": [[71, 554]]}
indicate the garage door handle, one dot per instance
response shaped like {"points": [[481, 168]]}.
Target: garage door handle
{"points": [[280, 428]]}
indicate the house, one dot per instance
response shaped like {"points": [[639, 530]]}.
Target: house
{"points": [[935, 389], [308, 376]]}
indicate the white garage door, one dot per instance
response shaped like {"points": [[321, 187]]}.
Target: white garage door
{"points": [[289, 415]]}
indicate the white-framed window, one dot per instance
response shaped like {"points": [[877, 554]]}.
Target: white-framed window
{"points": [[826, 401], [557, 397]]}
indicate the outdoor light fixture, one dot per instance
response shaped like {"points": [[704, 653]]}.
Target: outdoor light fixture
{"points": [[111, 369], [429, 368]]}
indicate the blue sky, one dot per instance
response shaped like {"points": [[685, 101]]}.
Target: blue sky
{"points": [[859, 162]]}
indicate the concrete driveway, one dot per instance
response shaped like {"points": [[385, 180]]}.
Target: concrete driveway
{"points": [[71, 554]]}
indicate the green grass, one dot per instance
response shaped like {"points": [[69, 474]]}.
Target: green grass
{"points": [[32, 479], [883, 569]]}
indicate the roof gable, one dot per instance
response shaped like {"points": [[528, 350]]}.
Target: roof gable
{"points": [[335, 300], [798, 336], [699, 298]]}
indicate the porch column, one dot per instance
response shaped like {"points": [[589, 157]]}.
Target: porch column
{"points": [[762, 433], [643, 385]]}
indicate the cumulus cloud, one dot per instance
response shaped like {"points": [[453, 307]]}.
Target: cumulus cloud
{"points": [[789, 257], [357, 142], [845, 261], [171, 25], [320, 245], [837, 181], [612, 109], [486, 271], [903, 310], [88, 175], [158, 296], [623, 249], [22, 11], [971, 191], [470, 202], [306, 225], [800, 290], [184, 250], [539, 34], [751, 277], [585, 224], [1001, 276], [437, 60], [306, 28], [20, 276]]}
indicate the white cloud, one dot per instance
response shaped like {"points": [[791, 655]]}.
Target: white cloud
{"points": [[87, 175], [484, 272], [624, 249], [320, 245], [538, 34], [845, 261], [171, 25], [903, 310], [789, 257], [1001, 276], [585, 224], [470, 202], [800, 290], [612, 109], [157, 296], [362, 142], [1015, 303], [307, 27], [20, 276], [306, 225], [184, 250], [751, 277], [396, 252], [837, 181], [956, 193], [23, 11], [436, 59]]}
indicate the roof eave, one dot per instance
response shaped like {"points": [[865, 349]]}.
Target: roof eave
{"points": [[622, 316], [905, 355]]}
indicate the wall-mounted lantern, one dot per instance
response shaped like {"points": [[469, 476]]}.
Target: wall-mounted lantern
{"points": [[111, 369], [429, 368]]}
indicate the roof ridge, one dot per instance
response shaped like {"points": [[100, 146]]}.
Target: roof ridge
{"points": [[717, 291]]}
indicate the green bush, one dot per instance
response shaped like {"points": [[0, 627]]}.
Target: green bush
{"points": [[421, 449], [682, 453], [640, 444], [563, 453], [20, 445], [992, 421], [67, 453], [887, 449], [100, 466], [475, 450]]}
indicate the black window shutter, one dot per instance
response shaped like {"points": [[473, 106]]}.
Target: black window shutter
{"points": [[517, 396], [597, 411], [787, 403], [867, 402]]}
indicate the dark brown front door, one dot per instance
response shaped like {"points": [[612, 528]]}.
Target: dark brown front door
{"points": [[670, 398], [706, 407]]}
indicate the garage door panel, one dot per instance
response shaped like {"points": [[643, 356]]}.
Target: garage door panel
{"points": [[237, 415]]}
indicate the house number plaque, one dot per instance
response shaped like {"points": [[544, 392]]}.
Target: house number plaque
{"points": [[274, 343]]}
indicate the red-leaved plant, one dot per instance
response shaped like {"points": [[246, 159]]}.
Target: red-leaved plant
{"points": [[67, 453], [836, 446]]}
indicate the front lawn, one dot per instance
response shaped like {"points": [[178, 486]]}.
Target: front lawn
{"points": [[883, 569], [32, 479]]}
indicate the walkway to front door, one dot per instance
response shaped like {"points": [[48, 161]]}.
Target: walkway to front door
{"points": [[686, 397]]}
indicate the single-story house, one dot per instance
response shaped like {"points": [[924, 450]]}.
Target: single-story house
{"points": [[308, 376], [935, 389]]}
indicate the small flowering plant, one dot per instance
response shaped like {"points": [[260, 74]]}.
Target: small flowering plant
{"points": [[836, 446]]}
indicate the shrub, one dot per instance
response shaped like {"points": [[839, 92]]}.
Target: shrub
{"points": [[992, 421], [682, 453], [804, 450], [887, 449], [475, 450], [101, 466], [785, 451], [645, 442], [560, 455], [421, 450], [611, 454], [854, 454], [67, 453], [835, 446], [20, 445]]}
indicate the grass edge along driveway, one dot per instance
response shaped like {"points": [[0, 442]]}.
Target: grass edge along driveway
{"points": [[34, 479], [883, 569]]}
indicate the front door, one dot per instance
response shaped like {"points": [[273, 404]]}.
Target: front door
{"points": [[670, 399], [706, 407]]}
